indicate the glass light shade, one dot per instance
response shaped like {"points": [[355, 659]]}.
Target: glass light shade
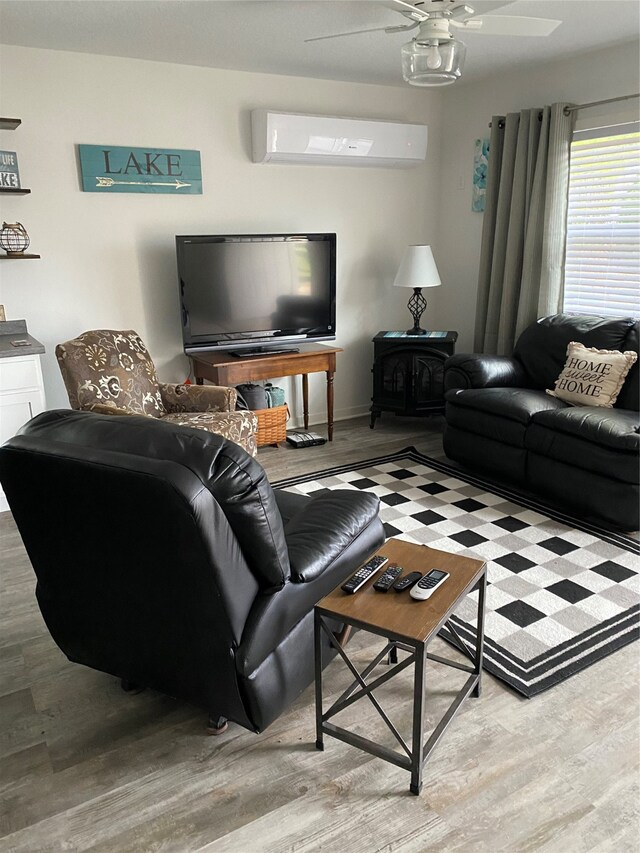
{"points": [[421, 68], [417, 268]]}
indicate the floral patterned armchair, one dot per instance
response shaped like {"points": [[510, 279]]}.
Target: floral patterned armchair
{"points": [[111, 373]]}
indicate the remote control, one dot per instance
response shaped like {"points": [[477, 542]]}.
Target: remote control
{"points": [[407, 581], [363, 574], [388, 578], [429, 584]]}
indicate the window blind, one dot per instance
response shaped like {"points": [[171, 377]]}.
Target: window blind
{"points": [[602, 267]]}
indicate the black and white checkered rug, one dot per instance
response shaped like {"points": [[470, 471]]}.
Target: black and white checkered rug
{"points": [[562, 593]]}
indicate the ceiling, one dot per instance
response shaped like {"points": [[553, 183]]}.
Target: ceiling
{"points": [[268, 35]]}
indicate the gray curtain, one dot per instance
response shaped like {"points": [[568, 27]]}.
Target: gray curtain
{"points": [[521, 273]]}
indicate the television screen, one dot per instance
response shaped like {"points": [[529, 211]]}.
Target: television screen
{"points": [[240, 291]]}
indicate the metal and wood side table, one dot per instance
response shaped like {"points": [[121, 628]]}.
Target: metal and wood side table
{"points": [[409, 625]]}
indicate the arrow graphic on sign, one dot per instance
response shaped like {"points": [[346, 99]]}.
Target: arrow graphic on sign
{"points": [[109, 182]]}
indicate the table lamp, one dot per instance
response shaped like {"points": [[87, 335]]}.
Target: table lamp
{"points": [[417, 270]]}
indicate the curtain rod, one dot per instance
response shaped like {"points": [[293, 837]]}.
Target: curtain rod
{"points": [[568, 110], [501, 124]]}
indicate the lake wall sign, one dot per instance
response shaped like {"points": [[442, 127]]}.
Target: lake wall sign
{"points": [[118, 169]]}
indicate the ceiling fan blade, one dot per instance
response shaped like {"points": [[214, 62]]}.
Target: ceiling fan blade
{"points": [[402, 28], [397, 29], [461, 8], [406, 9], [508, 25], [481, 7]]}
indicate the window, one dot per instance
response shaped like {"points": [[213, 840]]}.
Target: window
{"points": [[602, 267]]}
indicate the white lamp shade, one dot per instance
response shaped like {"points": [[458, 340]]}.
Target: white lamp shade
{"points": [[417, 268]]}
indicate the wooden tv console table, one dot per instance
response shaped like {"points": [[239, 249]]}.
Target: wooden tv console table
{"points": [[222, 368]]}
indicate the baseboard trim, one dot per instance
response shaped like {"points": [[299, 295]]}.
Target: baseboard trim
{"points": [[319, 418]]}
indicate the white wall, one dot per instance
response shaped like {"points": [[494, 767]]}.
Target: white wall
{"points": [[467, 111], [108, 261]]}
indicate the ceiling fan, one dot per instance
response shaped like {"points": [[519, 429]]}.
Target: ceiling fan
{"points": [[435, 56]]}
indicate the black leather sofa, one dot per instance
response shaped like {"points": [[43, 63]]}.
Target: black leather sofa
{"points": [[500, 420], [164, 557]]}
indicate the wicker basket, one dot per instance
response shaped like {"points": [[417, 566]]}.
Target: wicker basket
{"points": [[272, 425]]}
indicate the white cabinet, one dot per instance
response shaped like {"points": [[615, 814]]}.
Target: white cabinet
{"points": [[21, 397]]}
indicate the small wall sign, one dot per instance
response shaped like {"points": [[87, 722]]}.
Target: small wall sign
{"points": [[9, 174], [480, 163], [118, 169]]}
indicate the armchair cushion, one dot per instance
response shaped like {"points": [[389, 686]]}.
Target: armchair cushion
{"points": [[313, 544], [240, 427], [290, 504], [111, 368], [197, 398]]}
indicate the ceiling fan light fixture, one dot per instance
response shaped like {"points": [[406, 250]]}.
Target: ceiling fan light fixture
{"points": [[436, 63]]}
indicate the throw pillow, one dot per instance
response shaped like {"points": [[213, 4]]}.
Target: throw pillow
{"points": [[592, 377]]}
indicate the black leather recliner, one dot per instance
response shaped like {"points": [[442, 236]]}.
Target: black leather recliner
{"points": [[499, 419], [164, 557]]}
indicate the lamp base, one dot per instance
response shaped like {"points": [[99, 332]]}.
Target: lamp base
{"points": [[416, 306]]}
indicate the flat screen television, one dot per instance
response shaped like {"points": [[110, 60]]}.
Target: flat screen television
{"points": [[256, 292]]}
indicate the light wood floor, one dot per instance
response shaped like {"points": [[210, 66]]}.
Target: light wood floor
{"points": [[86, 767]]}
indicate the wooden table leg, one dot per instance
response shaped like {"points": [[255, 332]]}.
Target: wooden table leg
{"points": [[194, 370], [305, 399], [330, 404]]}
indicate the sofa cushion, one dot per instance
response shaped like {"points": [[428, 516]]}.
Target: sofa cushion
{"points": [[592, 377], [542, 347], [481, 452], [629, 397], [587, 493], [503, 414], [617, 429], [604, 441]]}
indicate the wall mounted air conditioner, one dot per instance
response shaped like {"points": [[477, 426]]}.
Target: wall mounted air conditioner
{"points": [[291, 138]]}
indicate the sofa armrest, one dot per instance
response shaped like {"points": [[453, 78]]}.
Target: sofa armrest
{"points": [[474, 370], [324, 528], [274, 616], [105, 409], [198, 398]]}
